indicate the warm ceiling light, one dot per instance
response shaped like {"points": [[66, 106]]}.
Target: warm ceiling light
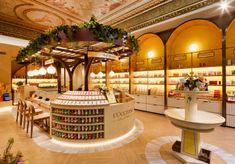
{"points": [[122, 60], [193, 47], [51, 70], [92, 75], [42, 71], [224, 5], [100, 74], [150, 54], [111, 73]]}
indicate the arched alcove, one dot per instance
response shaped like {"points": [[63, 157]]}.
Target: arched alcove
{"points": [[206, 38], [151, 54]]}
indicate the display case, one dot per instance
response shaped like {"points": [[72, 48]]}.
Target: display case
{"points": [[87, 116]]}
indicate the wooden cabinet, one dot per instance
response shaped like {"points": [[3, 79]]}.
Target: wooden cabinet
{"points": [[155, 108], [175, 102], [159, 100], [210, 106], [230, 116], [150, 103]]}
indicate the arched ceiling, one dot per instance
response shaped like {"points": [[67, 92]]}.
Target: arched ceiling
{"points": [[27, 18], [44, 14]]}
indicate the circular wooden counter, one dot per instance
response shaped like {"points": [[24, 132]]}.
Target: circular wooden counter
{"points": [[88, 117]]}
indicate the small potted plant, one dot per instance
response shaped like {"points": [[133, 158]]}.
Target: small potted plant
{"points": [[10, 158]]}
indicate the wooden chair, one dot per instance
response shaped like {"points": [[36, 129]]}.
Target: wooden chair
{"points": [[26, 112], [32, 118], [19, 111]]}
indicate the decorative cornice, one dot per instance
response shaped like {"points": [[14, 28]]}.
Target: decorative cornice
{"points": [[17, 31], [167, 11], [125, 13]]}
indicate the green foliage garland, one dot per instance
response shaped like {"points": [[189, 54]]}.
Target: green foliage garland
{"points": [[104, 33]]}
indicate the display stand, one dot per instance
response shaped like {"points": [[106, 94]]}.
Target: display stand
{"points": [[86, 116], [192, 122]]}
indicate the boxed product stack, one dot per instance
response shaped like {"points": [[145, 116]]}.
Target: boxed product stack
{"points": [[216, 93], [5, 91]]}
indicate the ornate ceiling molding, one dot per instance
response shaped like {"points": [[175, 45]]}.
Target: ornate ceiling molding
{"points": [[14, 30], [131, 10], [165, 12]]}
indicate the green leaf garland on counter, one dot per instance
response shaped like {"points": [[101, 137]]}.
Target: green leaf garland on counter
{"points": [[50, 38]]}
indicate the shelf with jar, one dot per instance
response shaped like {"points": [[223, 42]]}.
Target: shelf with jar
{"points": [[40, 83], [148, 90], [97, 80], [82, 116], [119, 80], [213, 78], [230, 93], [78, 115]]}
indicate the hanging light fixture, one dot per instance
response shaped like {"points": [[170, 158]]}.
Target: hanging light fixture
{"points": [[35, 72], [111, 73], [100, 74], [30, 73], [42, 70], [92, 75], [51, 69]]}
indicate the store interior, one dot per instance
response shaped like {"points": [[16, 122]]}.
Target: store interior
{"points": [[126, 82]]}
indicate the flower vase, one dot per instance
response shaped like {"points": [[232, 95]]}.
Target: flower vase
{"points": [[191, 104]]}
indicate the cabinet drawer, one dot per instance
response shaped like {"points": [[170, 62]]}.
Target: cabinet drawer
{"points": [[155, 108], [230, 108], [214, 107], [175, 102], [230, 120], [140, 98], [140, 106], [155, 100]]}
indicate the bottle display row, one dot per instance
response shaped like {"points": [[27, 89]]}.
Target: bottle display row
{"points": [[82, 103], [80, 112], [89, 120], [94, 97], [90, 136], [84, 93], [88, 128]]}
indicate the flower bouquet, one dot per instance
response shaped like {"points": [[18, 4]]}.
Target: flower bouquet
{"points": [[192, 82]]}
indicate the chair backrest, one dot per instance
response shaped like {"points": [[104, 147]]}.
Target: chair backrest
{"points": [[31, 111], [20, 105], [24, 106]]}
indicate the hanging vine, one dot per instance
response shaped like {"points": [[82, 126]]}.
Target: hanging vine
{"points": [[103, 33]]}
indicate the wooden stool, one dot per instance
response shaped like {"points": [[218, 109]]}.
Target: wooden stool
{"points": [[31, 117]]}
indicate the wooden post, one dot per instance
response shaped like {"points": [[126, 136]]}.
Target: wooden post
{"points": [[224, 75], [58, 69], [86, 82], [87, 67], [26, 74]]}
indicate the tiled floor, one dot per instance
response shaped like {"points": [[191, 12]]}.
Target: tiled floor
{"points": [[155, 126]]}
